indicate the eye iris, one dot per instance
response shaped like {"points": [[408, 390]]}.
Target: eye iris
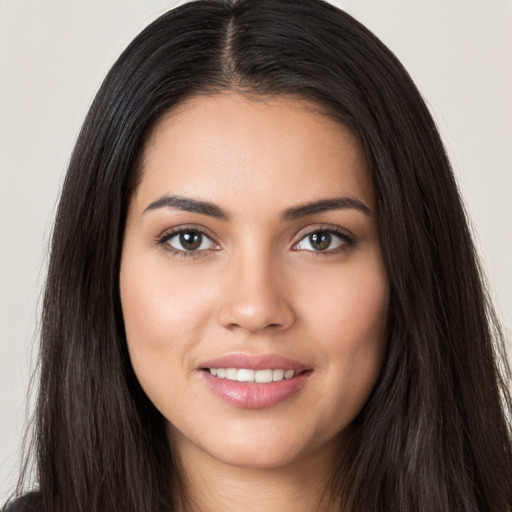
{"points": [[320, 240], [190, 240]]}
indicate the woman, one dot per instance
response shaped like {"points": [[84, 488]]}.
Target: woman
{"points": [[262, 289]]}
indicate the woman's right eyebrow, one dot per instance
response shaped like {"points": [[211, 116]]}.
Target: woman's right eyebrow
{"points": [[189, 205]]}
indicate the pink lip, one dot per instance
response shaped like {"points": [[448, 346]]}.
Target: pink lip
{"points": [[254, 362], [253, 395]]}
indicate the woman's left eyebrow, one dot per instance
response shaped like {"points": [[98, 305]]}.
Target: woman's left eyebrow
{"points": [[336, 203]]}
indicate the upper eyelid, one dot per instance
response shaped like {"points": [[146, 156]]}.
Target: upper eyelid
{"points": [[169, 232], [338, 230]]}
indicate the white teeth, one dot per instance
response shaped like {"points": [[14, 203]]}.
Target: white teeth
{"points": [[263, 376], [277, 375], [231, 373], [246, 375]]}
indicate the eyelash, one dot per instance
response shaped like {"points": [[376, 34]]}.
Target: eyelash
{"points": [[168, 235], [347, 240]]}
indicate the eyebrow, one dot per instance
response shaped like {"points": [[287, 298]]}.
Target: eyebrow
{"points": [[189, 205], [297, 212], [336, 203]]}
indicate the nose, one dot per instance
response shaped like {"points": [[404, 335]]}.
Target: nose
{"points": [[256, 297]]}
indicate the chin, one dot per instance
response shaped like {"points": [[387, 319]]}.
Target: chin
{"points": [[271, 449], [257, 458], [241, 447]]}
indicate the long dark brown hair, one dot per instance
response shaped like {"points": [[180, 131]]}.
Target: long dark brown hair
{"points": [[435, 433]]}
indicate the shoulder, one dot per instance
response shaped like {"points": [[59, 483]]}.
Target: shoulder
{"points": [[30, 502]]}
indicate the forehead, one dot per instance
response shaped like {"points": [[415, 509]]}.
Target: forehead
{"points": [[277, 150]]}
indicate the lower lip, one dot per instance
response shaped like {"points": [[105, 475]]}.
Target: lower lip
{"points": [[253, 395]]}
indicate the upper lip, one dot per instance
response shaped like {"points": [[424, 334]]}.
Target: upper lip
{"points": [[255, 362]]}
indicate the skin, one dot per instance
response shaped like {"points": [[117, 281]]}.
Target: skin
{"points": [[256, 285]]}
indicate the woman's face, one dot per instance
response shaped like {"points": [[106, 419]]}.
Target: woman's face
{"points": [[252, 281]]}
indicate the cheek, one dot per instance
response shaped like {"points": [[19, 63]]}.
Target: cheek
{"points": [[349, 319], [351, 305], [164, 315]]}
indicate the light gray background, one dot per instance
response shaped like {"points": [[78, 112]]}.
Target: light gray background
{"points": [[54, 54]]}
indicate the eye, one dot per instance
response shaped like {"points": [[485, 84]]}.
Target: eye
{"points": [[188, 240], [323, 241]]}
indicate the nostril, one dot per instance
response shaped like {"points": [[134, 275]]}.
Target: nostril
{"points": [[253, 313]]}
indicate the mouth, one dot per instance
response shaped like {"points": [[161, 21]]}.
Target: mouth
{"points": [[254, 382]]}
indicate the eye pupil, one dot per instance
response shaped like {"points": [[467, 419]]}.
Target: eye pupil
{"points": [[320, 240], [191, 240]]}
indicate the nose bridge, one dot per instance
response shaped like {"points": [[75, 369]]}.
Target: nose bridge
{"points": [[255, 297]]}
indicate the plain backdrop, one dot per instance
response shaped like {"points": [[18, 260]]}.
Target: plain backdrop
{"points": [[55, 53]]}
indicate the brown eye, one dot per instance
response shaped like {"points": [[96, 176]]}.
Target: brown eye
{"points": [[320, 241], [189, 240], [323, 241]]}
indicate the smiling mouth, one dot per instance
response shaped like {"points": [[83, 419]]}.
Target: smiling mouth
{"points": [[263, 376], [254, 388]]}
